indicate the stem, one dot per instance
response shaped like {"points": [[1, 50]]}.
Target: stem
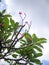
{"points": [[16, 36]]}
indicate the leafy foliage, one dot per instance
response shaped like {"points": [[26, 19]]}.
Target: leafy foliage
{"points": [[30, 45]]}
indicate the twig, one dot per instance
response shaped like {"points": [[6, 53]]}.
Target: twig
{"points": [[17, 41], [17, 35], [21, 17]]}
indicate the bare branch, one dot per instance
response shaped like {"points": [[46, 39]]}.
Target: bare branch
{"points": [[16, 36]]}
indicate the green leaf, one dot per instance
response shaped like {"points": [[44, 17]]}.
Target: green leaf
{"points": [[18, 64], [7, 35], [23, 41], [40, 45], [12, 22], [7, 61], [30, 63], [10, 29], [41, 40], [37, 61], [3, 11], [38, 55], [23, 52], [18, 51], [33, 51], [37, 48], [14, 55], [1, 19], [8, 41], [28, 37], [6, 23], [1, 55], [16, 26], [34, 38], [7, 15], [0, 14]]}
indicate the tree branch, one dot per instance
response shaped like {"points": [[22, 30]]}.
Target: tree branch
{"points": [[17, 35], [17, 41]]}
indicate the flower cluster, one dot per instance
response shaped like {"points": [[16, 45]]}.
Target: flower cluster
{"points": [[23, 16]]}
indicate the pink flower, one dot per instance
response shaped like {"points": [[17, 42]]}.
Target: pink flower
{"points": [[20, 13]]}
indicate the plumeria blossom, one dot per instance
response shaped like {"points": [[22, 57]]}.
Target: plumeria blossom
{"points": [[28, 25], [22, 16], [20, 13], [23, 22]]}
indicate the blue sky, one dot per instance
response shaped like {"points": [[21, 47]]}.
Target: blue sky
{"points": [[38, 12], [2, 5], [45, 62]]}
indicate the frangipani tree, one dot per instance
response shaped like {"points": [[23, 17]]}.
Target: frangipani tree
{"points": [[30, 45]]}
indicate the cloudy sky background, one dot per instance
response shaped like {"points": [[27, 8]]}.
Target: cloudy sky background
{"points": [[38, 12]]}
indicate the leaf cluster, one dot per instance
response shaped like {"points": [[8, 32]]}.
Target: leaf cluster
{"points": [[30, 45]]}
